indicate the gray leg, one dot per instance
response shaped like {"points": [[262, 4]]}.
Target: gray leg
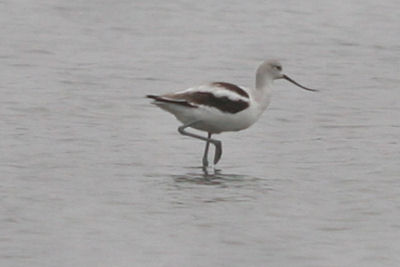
{"points": [[205, 161], [216, 143]]}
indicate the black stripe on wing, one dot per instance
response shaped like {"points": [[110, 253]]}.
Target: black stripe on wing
{"points": [[222, 103], [194, 99]]}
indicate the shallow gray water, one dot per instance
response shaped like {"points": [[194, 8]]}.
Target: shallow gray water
{"points": [[93, 175]]}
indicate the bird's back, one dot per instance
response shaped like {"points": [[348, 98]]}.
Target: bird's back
{"points": [[217, 106]]}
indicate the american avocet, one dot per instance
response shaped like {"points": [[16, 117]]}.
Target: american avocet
{"points": [[221, 107]]}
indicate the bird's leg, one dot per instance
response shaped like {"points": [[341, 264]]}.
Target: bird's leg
{"points": [[205, 161], [216, 143]]}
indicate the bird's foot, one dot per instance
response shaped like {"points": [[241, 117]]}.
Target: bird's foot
{"points": [[218, 151]]}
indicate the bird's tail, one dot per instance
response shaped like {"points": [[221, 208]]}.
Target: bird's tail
{"points": [[155, 97], [158, 99]]}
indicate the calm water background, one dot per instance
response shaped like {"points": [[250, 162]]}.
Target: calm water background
{"points": [[93, 175]]}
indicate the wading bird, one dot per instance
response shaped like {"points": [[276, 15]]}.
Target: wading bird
{"points": [[221, 107]]}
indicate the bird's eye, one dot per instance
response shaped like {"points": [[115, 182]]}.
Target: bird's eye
{"points": [[278, 68]]}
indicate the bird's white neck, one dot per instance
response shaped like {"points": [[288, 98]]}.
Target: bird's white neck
{"points": [[262, 91]]}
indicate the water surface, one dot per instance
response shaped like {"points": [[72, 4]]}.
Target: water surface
{"points": [[93, 175]]}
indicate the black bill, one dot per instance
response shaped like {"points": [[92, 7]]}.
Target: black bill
{"points": [[299, 85]]}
